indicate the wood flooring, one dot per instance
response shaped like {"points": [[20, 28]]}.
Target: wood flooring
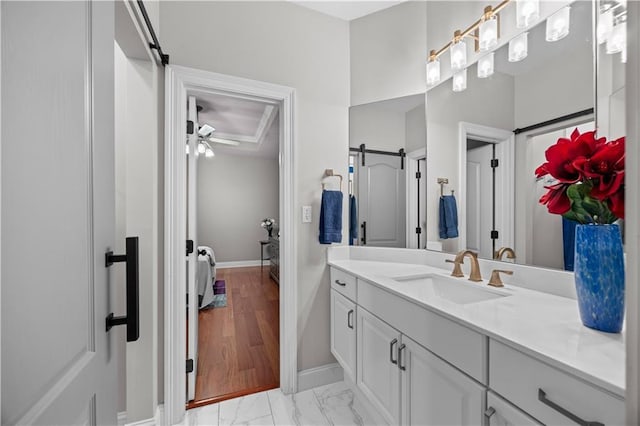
{"points": [[239, 345]]}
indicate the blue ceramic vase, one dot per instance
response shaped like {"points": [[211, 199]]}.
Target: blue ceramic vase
{"points": [[599, 276]]}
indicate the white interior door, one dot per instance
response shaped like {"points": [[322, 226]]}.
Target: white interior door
{"points": [[480, 200], [58, 363], [192, 258], [382, 203]]}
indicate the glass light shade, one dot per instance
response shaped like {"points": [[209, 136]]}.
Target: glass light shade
{"points": [[518, 48], [605, 25], [187, 149], [458, 56], [485, 66], [618, 39], [459, 81], [527, 11], [433, 72], [558, 24], [201, 148], [209, 153], [488, 34]]}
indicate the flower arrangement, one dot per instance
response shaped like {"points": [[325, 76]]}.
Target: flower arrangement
{"points": [[268, 224], [590, 178]]}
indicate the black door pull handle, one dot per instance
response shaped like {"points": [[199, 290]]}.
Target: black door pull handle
{"points": [[132, 318], [542, 397]]}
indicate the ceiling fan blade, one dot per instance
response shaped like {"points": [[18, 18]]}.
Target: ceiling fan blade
{"points": [[224, 141]]}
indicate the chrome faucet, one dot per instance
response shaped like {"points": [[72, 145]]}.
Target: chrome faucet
{"points": [[508, 250], [474, 275]]}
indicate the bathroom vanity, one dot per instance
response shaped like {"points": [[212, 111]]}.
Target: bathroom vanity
{"points": [[424, 348]]}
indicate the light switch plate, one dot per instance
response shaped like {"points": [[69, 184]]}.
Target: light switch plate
{"points": [[306, 214]]}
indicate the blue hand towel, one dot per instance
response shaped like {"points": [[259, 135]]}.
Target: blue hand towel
{"points": [[331, 217], [353, 219], [448, 225]]}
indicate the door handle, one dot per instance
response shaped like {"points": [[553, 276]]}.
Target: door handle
{"points": [[542, 397], [391, 345], [132, 318], [364, 233], [400, 363], [350, 319]]}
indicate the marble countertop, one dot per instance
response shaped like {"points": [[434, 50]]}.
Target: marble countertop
{"points": [[542, 325]]}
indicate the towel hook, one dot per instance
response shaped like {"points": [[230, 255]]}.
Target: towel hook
{"points": [[329, 173], [442, 182]]}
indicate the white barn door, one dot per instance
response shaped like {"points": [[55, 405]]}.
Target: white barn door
{"points": [[57, 176]]}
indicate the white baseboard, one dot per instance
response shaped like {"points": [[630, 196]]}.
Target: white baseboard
{"points": [[154, 421], [160, 414], [145, 422], [240, 264], [319, 376], [122, 418]]}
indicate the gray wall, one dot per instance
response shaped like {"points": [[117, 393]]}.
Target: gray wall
{"points": [[234, 194], [377, 127], [388, 51], [416, 129], [283, 43]]}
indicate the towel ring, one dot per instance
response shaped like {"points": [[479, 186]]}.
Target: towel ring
{"points": [[329, 173]]}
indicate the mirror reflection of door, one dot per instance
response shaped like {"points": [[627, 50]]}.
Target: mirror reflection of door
{"points": [[381, 189], [480, 197]]}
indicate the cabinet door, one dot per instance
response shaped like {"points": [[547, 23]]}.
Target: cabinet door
{"points": [[501, 413], [378, 376], [435, 393], [343, 333]]}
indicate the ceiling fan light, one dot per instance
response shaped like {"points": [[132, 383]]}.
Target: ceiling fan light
{"points": [[618, 39], [558, 24], [209, 153], [201, 148], [205, 130], [605, 25]]}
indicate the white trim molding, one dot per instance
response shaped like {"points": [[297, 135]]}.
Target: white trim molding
{"points": [[319, 376], [505, 141], [240, 263], [180, 82]]}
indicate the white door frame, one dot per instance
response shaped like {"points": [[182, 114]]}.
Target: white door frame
{"points": [[179, 81], [505, 142], [412, 188]]}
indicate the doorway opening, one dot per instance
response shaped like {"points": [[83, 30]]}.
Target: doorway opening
{"points": [[181, 83], [233, 220]]}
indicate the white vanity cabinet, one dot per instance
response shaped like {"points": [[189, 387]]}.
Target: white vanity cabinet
{"points": [[343, 333], [435, 393]]}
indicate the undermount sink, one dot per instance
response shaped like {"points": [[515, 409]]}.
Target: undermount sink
{"points": [[456, 290]]}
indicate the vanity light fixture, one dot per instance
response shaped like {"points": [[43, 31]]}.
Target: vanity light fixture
{"points": [[458, 52], [485, 66], [605, 25], [518, 48], [558, 24], [527, 11], [460, 81], [488, 30], [433, 69]]}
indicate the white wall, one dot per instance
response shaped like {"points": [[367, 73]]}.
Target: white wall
{"points": [[415, 129], [283, 43], [445, 109], [376, 127], [234, 194], [388, 52], [138, 145]]}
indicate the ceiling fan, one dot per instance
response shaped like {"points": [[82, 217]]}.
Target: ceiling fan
{"points": [[205, 133]]}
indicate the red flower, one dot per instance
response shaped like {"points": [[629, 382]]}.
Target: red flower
{"points": [[562, 156], [605, 168], [556, 199], [616, 203]]}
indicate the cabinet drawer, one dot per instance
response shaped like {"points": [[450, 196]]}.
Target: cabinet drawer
{"points": [[343, 283], [460, 346], [504, 414], [519, 377]]}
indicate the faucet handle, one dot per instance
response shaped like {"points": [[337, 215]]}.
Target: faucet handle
{"points": [[495, 280], [457, 270]]}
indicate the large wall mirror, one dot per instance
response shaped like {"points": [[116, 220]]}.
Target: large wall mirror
{"points": [[483, 143]]}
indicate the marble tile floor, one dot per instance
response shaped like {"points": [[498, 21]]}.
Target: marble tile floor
{"points": [[322, 406]]}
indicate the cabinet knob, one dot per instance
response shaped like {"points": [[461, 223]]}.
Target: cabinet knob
{"points": [[489, 412]]}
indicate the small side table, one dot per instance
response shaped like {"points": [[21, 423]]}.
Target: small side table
{"points": [[262, 258]]}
